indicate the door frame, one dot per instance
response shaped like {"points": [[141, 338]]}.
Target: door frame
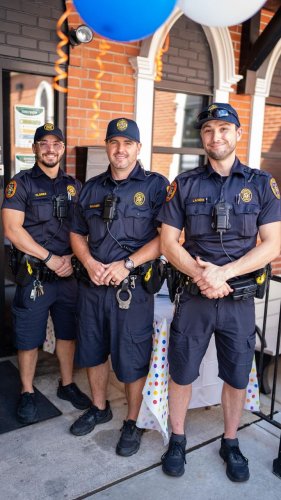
{"points": [[60, 114]]}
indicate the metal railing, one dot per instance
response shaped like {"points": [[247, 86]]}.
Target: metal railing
{"points": [[270, 418]]}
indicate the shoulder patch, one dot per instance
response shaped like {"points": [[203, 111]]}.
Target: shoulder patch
{"points": [[274, 188], [11, 189], [171, 190]]}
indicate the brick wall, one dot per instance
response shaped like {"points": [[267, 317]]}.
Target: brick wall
{"points": [[188, 58], [28, 29], [117, 90]]}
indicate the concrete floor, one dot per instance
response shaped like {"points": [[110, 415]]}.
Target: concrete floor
{"points": [[44, 461]]}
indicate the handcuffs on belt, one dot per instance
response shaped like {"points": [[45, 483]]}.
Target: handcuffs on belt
{"points": [[130, 281]]}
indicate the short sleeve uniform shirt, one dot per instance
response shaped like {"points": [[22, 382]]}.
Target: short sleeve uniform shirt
{"points": [[252, 199]]}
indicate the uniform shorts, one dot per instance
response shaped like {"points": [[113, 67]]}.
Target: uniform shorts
{"points": [[104, 329], [194, 322], [30, 316]]}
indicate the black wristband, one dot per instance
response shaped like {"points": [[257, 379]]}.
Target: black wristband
{"points": [[49, 256]]}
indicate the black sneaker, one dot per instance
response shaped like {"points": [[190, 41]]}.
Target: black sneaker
{"points": [[87, 422], [130, 439], [73, 394], [27, 412], [174, 459], [237, 469]]}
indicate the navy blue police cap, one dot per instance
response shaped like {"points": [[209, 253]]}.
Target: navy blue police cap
{"points": [[123, 127], [217, 111], [48, 129]]}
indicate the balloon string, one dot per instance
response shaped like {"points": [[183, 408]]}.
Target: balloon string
{"points": [[104, 47], [63, 57], [159, 62]]}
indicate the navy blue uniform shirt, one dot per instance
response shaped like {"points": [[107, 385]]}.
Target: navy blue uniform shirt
{"points": [[254, 200], [32, 192], [140, 197]]}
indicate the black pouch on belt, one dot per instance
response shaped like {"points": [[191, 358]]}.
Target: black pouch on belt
{"points": [[154, 277], [243, 288], [24, 274], [262, 276], [79, 271], [174, 279]]}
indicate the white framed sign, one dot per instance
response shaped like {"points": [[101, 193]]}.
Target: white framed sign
{"points": [[27, 119], [23, 162]]}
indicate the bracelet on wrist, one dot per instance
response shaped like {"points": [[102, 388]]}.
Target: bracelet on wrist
{"points": [[49, 256]]}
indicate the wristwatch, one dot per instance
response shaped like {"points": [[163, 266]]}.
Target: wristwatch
{"points": [[129, 264]]}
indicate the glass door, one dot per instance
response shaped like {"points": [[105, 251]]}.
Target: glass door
{"points": [[28, 101]]}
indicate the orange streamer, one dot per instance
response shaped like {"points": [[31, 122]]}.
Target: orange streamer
{"points": [[104, 47], [63, 57], [159, 62]]}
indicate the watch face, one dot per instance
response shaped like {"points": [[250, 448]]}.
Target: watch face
{"points": [[129, 264]]}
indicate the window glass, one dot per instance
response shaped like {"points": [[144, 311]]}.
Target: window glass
{"points": [[171, 165], [174, 117], [176, 143]]}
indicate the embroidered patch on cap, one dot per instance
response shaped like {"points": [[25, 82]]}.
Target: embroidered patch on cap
{"points": [[275, 188], [122, 125], [171, 191], [49, 126], [139, 199], [71, 190], [246, 195], [213, 106], [11, 189]]}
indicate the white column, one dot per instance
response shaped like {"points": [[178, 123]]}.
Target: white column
{"points": [[144, 74], [221, 95], [256, 130]]}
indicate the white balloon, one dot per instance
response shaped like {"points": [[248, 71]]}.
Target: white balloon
{"points": [[220, 12]]}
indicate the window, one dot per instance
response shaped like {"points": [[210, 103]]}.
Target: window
{"points": [[176, 144]]}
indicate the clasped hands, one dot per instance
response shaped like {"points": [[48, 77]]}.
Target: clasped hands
{"points": [[61, 265], [107, 274], [211, 280]]}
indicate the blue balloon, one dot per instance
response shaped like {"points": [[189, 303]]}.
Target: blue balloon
{"points": [[124, 20]]}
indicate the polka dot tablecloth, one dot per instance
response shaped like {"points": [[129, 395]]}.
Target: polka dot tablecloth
{"points": [[50, 341], [154, 410], [252, 402]]}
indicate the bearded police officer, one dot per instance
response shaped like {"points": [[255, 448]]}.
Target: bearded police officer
{"points": [[222, 207], [113, 235], [36, 217]]}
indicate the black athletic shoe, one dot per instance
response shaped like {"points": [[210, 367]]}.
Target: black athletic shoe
{"points": [[174, 459], [89, 419], [73, 394], [237, 469], [27, 412], [129, 442]]}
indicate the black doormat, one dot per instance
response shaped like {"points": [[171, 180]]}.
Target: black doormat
{"points": [[10, 388]]}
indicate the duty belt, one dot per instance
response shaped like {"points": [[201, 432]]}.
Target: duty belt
{"points": [[244, 287], [25, 267]]}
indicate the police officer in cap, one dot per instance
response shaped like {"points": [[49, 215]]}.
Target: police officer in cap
{"points": [[114, 234], [222, 207], [36, 217]]}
